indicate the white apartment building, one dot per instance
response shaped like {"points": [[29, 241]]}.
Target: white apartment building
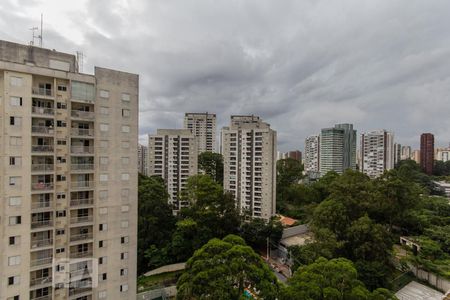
{"points": [[377, 152], [203, 126], [406, 153], [68, 207], [143, 159], [173, 155], [249, 154], [312, 153], [442, 154]]}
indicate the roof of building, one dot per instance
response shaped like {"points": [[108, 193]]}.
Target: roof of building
{"points": [[286, 221], [415, 290]]}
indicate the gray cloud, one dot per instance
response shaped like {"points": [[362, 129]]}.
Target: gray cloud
{"points": [[300, 65]]}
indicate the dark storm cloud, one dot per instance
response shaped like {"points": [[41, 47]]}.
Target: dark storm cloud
{"points": [[300, 65]]}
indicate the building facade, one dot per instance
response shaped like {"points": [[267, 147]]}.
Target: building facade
{"points": [[249, 154], [143, 159], [443, 154], [406, 152], [173, 155], [415, 155], [397, 153], [312, 153], [68, 206], [377, 152], [203, 126], [427, 152]]}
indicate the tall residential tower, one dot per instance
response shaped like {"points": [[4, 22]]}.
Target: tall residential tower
{"points": [[427, 152], [68, 205], [312, 153], [377, 152], [249, 153], [203, 126]]}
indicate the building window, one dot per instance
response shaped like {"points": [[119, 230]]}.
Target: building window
{"points": [[60, 250], [60, 213], [60, 123], [101, 244], [103, 277], [103, 210], [15, 141], [14, 240], [124, 255], [60, 105], [125, 160], [14, 180], [14, 260], [104, 110], [15, 101], [15, 81], [124, 287], [15, 161], [125, 97], [83, 91], [15, 121], [15, 220], [62, 88], [103, 195], [60, 178], [104, 94], [13, 280], [126, 129], [103, 227], [60, 231], [104, 127], [102, 260], [126, 113], [103, 177], [103, 160], [124, 272], [124, 224], [124, 240], [125, 144], [15, 201], [125, 176], [124, 208]]}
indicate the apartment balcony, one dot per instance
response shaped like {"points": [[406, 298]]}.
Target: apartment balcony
{"points": [[40, 91], [41, 281], [42, 186], [41, 261], [41, 205], [82, 185], [81, 254], [47, 297], [82, 150], [81, 202], [81, 219], [80, 290], [85, 115], [41, 224], [42, 148], [82, 132], [81, 237], [42, 168], [43, 111], [42, 130], [82, 167], [39, 243]]}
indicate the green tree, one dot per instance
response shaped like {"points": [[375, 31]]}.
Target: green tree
{"points": [[211, 164], [222, 269], [156, 222], [256, 231], [329, 279], [289, 171], [185, 240]]}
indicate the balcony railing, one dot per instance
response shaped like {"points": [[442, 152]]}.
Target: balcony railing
{"points": [[41, 261], [41, 204], [82, 184], [47, 297], [80, 237], [41, 223], [42, 91], [80, 167], [42, 129], [81, 202], [41, 186], [41, 243], [86, 271], [42, 110], [82, 149], [82, 132], [80, 290], [40, 281], [81, 254], [88, 115], [42, 167], [81, 219], [42, 148]]}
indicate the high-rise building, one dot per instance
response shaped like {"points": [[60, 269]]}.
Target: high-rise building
{"points": [[143, 159], [377, 152], [397, 153], [68, 206], [203, 126], [406, 153], [173, 155], [337, 149], [415, 155], [312, 151], [427, 152], [443, 154], [249, 153], [296, 154]]}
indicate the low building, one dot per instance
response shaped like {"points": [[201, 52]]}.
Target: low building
{"points": [[444, 186], [299, 235]]}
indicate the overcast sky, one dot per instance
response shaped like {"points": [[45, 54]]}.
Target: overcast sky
{"points": [[301, 65]]}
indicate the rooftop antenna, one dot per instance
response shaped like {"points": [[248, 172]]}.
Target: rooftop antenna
{"points": [[39, 36], [80, 57]]}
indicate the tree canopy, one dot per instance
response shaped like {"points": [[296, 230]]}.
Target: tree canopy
{"points": [[223, 269], [211, 164]]}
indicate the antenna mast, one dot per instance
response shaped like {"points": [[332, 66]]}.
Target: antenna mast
{"points": [[80, 57], [42, 26], [39, 37]]}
